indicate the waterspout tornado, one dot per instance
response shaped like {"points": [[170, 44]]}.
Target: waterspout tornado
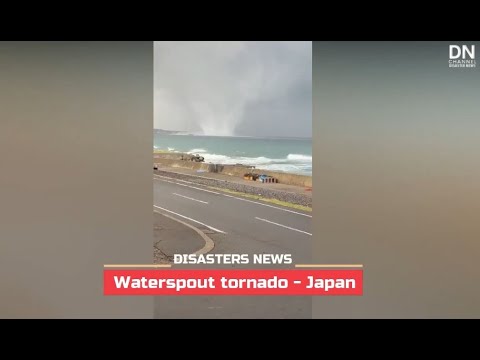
{"points": [[206, 87]]}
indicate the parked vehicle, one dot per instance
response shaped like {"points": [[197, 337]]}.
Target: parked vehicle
{"points": [[198, 158]]}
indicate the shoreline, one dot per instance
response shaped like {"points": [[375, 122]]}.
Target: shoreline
{"points": [[169, 159], [177, 155]]}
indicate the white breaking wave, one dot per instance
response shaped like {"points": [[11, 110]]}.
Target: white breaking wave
{"points": [[296, 163], [170, 149], [299, 157], [289, 168], [197, 151]]}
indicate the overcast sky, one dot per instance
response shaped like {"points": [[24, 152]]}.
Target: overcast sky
{"points": [[234, 88]]}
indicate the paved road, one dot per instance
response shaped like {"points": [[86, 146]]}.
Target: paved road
{"points": [[237, 225], [172, 237], [249, 226]]}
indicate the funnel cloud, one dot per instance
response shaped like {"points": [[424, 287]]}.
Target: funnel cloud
{"points": [[234, 88]]}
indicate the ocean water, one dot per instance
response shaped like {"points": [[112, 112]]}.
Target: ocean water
{"points": [[292, 155]]}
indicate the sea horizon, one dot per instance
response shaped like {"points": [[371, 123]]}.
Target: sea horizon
{"points": [[186, 133]]}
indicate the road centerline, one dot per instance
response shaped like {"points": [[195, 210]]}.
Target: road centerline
{"points": [[284, 226], [189, 198], [192, 187], [268, 205]]}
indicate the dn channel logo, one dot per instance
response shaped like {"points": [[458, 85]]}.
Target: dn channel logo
{"points": [[461, 56]]}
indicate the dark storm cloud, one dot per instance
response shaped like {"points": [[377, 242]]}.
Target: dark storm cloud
{"points": [[234, 88]]}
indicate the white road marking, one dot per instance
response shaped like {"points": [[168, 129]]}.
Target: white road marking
{"points": [[192, 187], [231, 196], [189, 198], [267, 205], [193, 220], [205, 177], [209, 244], [284, 226], [166, 177], [171, 182]]}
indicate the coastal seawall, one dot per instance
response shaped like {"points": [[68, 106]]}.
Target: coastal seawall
{"points": [[175, 160]]}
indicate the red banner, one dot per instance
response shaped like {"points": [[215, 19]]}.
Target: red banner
{"points": [[233, 282]]}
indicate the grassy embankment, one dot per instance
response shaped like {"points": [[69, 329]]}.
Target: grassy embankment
{"points": [[264, 199]]}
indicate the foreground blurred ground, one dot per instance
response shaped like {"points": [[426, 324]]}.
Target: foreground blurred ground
{"points": [[171, 237]]}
